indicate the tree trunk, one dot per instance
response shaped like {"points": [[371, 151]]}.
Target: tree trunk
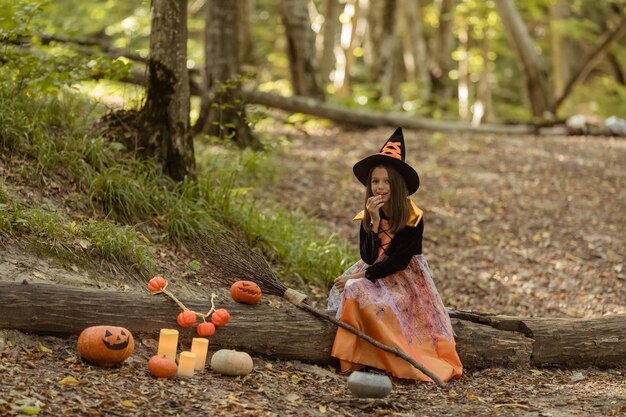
{"points": [[330, 30], [164, 118], [415, 46], [246, 42], [482, 106], [442, 51], [464, 83], [620, 74], [560, 67], [301, 49], [532, 65], [286, 332], [349, 39], [382, 21], [222, 113]]}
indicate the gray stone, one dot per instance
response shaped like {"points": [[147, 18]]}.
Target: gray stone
{"points": [[366, 385]]}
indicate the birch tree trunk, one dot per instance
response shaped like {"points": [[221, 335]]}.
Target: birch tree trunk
{"points": [[164, 118], [352, 19], [464, 79], [483, 106], [301, 49], [222, 113], [532, 65]]}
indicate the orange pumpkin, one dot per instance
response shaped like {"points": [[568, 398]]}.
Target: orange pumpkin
{"points": [[105, 345], [205, 329], [220, 317], [186, 318], [246, 292], [157, 285], [162, 367]]}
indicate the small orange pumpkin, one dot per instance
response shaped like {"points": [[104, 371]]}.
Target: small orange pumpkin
{"points": [[157, 285], [162, 367], [186, 318], [246, 292], [105, 345], [205, 329], [220, 317]]}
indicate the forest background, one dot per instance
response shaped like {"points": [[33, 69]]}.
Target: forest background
{"points": [[134, 133]]}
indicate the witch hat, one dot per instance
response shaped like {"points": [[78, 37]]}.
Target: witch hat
{"points": [[391, 154]]}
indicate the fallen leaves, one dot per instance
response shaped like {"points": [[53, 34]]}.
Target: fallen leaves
{"points": [[69, 380], [62, 384]]}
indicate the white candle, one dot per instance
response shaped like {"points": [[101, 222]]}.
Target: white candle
{"points": [[168, 342], [200, 346], [186, 363]]}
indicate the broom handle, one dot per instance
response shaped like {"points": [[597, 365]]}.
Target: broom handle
{"points": [[373, 341]]}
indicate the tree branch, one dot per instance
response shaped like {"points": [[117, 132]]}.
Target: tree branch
{"points": [[591, 61]]}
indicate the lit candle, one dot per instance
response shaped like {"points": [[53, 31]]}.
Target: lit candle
{"points": [[168, 342], [200, 346], [186, 363]]}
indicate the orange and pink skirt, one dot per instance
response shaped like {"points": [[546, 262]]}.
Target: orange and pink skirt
{"points": [[403, 310]]}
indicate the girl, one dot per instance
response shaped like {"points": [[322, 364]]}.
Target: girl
{"points": [[389, 294]]}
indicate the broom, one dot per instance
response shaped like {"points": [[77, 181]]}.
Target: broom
{"points": [[235, 258]]}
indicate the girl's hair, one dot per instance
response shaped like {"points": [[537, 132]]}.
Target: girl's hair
{"points": [[399, 200]]}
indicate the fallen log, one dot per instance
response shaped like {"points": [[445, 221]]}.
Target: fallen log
{"points": [[283, 331], [368, 118]]}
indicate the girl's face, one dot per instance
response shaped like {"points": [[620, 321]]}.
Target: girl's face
{"points": [[380, 184]]}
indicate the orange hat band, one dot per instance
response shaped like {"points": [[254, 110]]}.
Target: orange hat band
{"points": [[392, 149]]}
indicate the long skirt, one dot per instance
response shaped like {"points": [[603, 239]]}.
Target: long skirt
{"points": [[403, 310]]}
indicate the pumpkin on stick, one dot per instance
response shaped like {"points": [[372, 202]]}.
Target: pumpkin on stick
{"points": [[187, 317]]}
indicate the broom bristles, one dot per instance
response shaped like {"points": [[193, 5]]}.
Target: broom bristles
{"points": [[235, 260]]}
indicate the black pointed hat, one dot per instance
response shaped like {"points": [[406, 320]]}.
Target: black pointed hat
{"points": [[392, 154]]}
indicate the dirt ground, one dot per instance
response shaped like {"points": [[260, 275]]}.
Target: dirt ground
{"points": [[523, 226]]}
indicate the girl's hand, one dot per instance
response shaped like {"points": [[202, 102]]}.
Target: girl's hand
{"points": [[340, 282], [373, 206]]}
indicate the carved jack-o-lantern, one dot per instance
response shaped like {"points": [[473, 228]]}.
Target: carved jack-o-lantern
{"points": [[246, 292], [105, 345]]}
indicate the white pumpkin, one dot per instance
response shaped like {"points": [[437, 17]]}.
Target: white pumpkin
{"points": [[231, 362]]}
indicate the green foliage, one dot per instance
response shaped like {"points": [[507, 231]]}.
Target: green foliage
{"points": [[6, 214], [131, 194], [119, 244], [44, 67], [298, 247], [4, 195], [122, 188], [42, 223], [296, 244], [190, 218], [603, 96]]}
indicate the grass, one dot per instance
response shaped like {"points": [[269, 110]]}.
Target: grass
{"points": [[124, 195]]}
